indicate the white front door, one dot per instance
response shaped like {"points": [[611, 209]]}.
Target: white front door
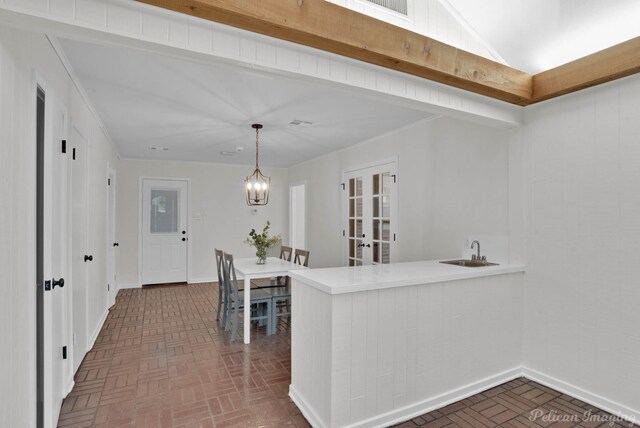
{"points": [[57, 369], [164, 231], [79, 245], [370, 211]]}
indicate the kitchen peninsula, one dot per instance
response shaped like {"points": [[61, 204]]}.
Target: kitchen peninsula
{"points": [[376, 345]]}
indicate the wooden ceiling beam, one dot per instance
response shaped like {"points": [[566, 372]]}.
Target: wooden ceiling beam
{"points": [[604, 66], [329, 27]]}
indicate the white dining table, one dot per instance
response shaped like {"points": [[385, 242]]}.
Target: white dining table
{"points": [[248, 269]]}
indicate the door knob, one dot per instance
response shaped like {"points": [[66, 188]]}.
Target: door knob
{"points": [[184, 239], [368, 245], [115, 244], [88, 258], [184, 232], [59, 283]]}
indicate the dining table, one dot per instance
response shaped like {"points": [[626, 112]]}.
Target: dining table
{"points": [[248, 269]]}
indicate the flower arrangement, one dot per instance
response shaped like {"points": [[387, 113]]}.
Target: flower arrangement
{"points": [[262, 242]]}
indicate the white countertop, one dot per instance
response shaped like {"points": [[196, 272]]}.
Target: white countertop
{"points": [[364, 278]]}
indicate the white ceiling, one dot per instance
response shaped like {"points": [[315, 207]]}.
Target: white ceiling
{"points": [[537, 35], [198, 110]]}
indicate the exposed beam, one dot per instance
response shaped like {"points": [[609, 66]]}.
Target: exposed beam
{"points": [[606, 65], [329, 27]]}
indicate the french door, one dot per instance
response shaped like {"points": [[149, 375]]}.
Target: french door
{"points": [[371, 211], [164, 231]]}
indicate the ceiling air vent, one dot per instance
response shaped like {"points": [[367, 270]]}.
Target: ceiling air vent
{"points": [[399, 6], [299, 122]]}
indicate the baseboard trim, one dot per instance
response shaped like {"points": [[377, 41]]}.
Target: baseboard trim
{"points": [[96, 331], [129, 285], [617, 409], [202, 280], [307, 411], [70, 386], [439, 401], [416, 409]]}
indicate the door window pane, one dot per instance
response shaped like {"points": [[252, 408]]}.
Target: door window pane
{"points": [[164, 211], [386, 252], [386, 206]]}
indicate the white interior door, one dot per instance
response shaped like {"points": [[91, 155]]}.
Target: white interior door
{"points": [[370, 213], [79, 245], [164, 231], [111, 238], [56, 318]]}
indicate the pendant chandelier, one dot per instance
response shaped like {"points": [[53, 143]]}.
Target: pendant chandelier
{"points": [[257, 184]]}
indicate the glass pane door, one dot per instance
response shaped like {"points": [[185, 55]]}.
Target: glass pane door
{"points": [[355, 242], [370, 211], [381, 218]]}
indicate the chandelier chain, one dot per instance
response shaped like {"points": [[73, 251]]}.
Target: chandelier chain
{"points": [[257, 129]]}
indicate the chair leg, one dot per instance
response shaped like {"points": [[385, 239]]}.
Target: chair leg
{"points": [[225, 310], [234, 323], [219, 302], [270, 326]]}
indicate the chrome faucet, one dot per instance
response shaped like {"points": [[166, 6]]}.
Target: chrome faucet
{"points": [[477, 256]]}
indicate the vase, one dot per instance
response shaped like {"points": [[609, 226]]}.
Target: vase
{"points": [[261, 254]]}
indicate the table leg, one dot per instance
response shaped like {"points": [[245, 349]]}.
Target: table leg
{"points": [[247, 309]]}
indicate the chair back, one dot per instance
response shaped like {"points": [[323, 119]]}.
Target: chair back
{"points": [[285, 252], [229, 274], [302, 257], [219, 267]]}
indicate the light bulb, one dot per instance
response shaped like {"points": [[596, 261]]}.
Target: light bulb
{"points": [[248, 186]]}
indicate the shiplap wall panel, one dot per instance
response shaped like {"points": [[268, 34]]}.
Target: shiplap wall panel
{"points": [[581, 170], [393, 348], [134, 21]]}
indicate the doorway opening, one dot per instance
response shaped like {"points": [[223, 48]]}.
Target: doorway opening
{"points": [[297, 217]]}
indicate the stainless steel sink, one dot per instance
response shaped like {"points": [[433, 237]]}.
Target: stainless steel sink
{"points": [[469, 263]]}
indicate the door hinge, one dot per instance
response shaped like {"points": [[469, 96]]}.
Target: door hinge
{"points": [[394, 177], [394, 236], [108, 182], [343, 186], [74, 153], [64, 352], [343, 234], [64, 146], [108, 287]]}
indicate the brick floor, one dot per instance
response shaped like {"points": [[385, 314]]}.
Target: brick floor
{"points": [[161, 360], [520, 403]]}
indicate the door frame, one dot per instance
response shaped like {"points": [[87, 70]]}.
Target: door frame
{"points": [[395, 204], [39, 84], [111, 226], [306, 206], [141, 219]]}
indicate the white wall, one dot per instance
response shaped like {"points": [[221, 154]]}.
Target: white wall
{"points": [[452, 182], [20, 53], [220, 217], [581, 158]]}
